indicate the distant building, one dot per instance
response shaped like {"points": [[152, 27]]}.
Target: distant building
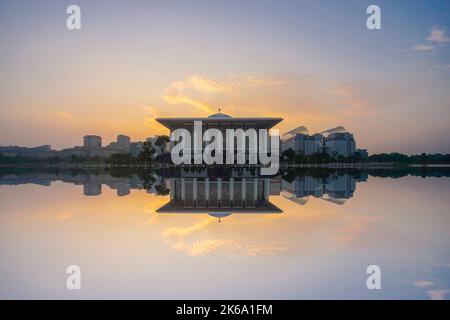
{"points": [[363, 152], [80, 152], [336, 142], [136, 148], [92, 147], [92, 189], [123, 143], [334, 188], [340, 186], [91, 142], [303, 143], [44, 151], [340, 144], [103, 152]]}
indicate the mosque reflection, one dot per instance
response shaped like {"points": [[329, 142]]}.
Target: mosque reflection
{"points": [[218, 193]]}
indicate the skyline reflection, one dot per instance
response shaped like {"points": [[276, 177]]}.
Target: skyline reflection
{"points": [[313, 249], [236, 191]]}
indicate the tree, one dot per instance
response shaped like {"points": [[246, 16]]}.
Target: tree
{"points": [[162, 190], [95, 159], [288, 155], [161, 143], [147, 152], [121, 158]]}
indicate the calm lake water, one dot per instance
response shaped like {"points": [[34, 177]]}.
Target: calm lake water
{"points": [[188, 235]]}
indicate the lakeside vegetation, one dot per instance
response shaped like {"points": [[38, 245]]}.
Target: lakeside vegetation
{"points": [[148, 176], [148, 155], [291, 156], [153, 155]]}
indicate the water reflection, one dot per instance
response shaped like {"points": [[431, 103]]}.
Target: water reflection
{"points": [[217, 192], [132, 230]]}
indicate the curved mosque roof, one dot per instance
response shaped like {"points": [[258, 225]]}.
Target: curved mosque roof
{"points": [[174, 123]]}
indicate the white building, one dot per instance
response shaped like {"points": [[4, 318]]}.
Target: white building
{"points": [[336, 142], [340, 144], [303, 143]]}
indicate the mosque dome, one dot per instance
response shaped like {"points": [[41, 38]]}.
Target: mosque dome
{"points": [[219, 116], [220, 214]]}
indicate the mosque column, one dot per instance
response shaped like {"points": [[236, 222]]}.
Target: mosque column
{"points": [[183, 190], [219, 192], [244, 187]]}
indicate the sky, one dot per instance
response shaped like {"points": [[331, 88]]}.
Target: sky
{"points": [[313, 63]]}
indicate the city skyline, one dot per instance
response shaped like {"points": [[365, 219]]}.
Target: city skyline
{"points": [[130, 64], [335, 142]]}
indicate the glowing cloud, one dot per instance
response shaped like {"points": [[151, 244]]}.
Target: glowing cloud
{"points": [[423, 47], [438, 35], [423, 283], [64, 115], [438, 294], [194, 90]]}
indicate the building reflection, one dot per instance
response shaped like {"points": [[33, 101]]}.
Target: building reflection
{"points": [[208, 192], [219, 195], [335, 188]]}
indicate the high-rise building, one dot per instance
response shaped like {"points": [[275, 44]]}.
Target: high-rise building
{"points": [[336, 142], [304, 143], [136, 148], [363, 153], [340, 144], [91, 142], [123, 143]]}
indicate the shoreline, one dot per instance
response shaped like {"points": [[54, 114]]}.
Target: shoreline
{"points": [[357, 165]]}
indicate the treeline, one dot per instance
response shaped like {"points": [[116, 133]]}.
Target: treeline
{"points": [[362, 174], [23, 159], [149, 155], [118, 158], [436, 158], [290, 156]]}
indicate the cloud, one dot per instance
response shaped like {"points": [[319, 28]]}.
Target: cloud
{"points": [[423, 47], [423, 283], [205, 246], [437, 35], [350, 96], [150, 119], [196, 90], [64, 115], [438, 294], [180, 231], [184, 99], [354, 230], [232, 247], [206, 85]]}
